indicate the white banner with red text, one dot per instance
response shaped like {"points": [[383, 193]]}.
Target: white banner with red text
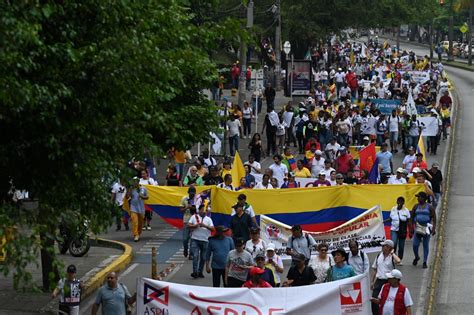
{"points": [[367, 229], [347, 296]]}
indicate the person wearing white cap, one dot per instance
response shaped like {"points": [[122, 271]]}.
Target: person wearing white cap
{"points": [[383, 264], [394, 298], [397, 179], [274, 262], [436, 182], [317, 163]]}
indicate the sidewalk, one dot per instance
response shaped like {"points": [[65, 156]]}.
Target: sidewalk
{"points": [[28, 302]]}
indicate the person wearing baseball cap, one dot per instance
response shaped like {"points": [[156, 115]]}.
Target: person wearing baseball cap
{"points": [[317, 163], [274, 262], [299, 274], [398, 178], [256, 280], [321, 181], [69, 290], [383, 264], [394, 297], [424, 218]]}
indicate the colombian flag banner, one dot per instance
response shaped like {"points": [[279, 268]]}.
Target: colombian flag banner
{"points": [[165, 201], [316, 209]]}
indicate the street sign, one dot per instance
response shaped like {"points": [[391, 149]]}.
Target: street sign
{"points": [[464, 28], [256, 79]]}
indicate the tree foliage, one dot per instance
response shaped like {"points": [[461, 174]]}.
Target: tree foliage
{"points": [[87, 85]]}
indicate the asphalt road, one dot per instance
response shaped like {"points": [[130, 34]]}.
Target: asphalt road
{"points": [[454, 292], [456, 283]]}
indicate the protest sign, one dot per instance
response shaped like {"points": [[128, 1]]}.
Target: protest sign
{"points": [[386, 106], [430, 126], [366, 228], [346, 296]]}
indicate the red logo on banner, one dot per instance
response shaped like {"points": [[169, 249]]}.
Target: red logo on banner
{"points": [[153, 294], [273, 231], [351, 294]]}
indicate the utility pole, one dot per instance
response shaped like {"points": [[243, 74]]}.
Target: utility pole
{"points": [[431, 40], [278, 47], [243, 57], [469, 49], [450, 32]]}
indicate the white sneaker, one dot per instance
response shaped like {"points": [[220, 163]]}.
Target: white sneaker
{"points": [[144, 228], [148, 227], [136, 238]]}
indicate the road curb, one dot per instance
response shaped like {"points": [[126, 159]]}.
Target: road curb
{"points": [[438, 257], [95, 281], [117, 265]]}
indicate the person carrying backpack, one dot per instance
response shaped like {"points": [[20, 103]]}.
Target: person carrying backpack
{"points": [[299, 243], [357, 258]]}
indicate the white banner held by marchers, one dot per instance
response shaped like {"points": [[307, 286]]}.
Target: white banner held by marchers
{"points": [[347, 296], [430, 126], [367, 229]]}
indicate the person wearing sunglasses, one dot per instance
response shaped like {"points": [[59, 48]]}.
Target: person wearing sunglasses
{"points": [[321, 263]]}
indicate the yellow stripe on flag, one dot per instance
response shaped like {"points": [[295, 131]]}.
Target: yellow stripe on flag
{"points": [[421, 147], [238, 170]]}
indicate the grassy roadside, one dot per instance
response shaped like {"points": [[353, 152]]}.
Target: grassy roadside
{"points": [[458, 65]]}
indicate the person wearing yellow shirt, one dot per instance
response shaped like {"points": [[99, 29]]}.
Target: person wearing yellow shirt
{"points": [[227, 169], [301, 171], [446, 119]]}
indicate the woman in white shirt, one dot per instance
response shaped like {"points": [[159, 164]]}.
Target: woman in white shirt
{"points": [[255, 244], [321, 263], [399, 217]]}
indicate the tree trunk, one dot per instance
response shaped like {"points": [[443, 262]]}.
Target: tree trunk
{"points": [[47, 268]]}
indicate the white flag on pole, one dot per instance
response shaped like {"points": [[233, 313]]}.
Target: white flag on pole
{"points": [[363, 50], [411, 107], [216, 147]]}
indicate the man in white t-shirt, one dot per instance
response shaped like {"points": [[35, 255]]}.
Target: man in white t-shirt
{"points": [[201, 227], [409, 159], [317, 165], [394, 124], [234, 131], [394, 294], [398, 178], [256, 167], [332, 148], [118, 194], [280, 171]]}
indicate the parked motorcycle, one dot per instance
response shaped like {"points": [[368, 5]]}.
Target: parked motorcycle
{"points": [[77, 243]]}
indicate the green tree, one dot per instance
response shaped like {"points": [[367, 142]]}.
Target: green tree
{"points": [[87, 84]]}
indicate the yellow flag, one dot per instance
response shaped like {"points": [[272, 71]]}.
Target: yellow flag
{"points": [[421, 147], [238, 170]]}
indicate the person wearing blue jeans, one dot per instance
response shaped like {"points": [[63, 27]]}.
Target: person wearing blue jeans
{"points": [[422, 214], [201, 227]]}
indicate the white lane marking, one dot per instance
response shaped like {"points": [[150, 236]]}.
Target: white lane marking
{"points": [[129, 269]]}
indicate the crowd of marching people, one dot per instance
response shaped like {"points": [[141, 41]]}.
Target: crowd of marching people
{"points": [[310, 145]]}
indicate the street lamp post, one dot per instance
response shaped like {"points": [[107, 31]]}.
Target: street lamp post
{"points": [[287, 50]]}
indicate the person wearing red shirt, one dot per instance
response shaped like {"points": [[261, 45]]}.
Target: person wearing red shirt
{"points": [[351, 80], [255, 280], [344, 162], [446, 100], [419, 162], [234, 73]]}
